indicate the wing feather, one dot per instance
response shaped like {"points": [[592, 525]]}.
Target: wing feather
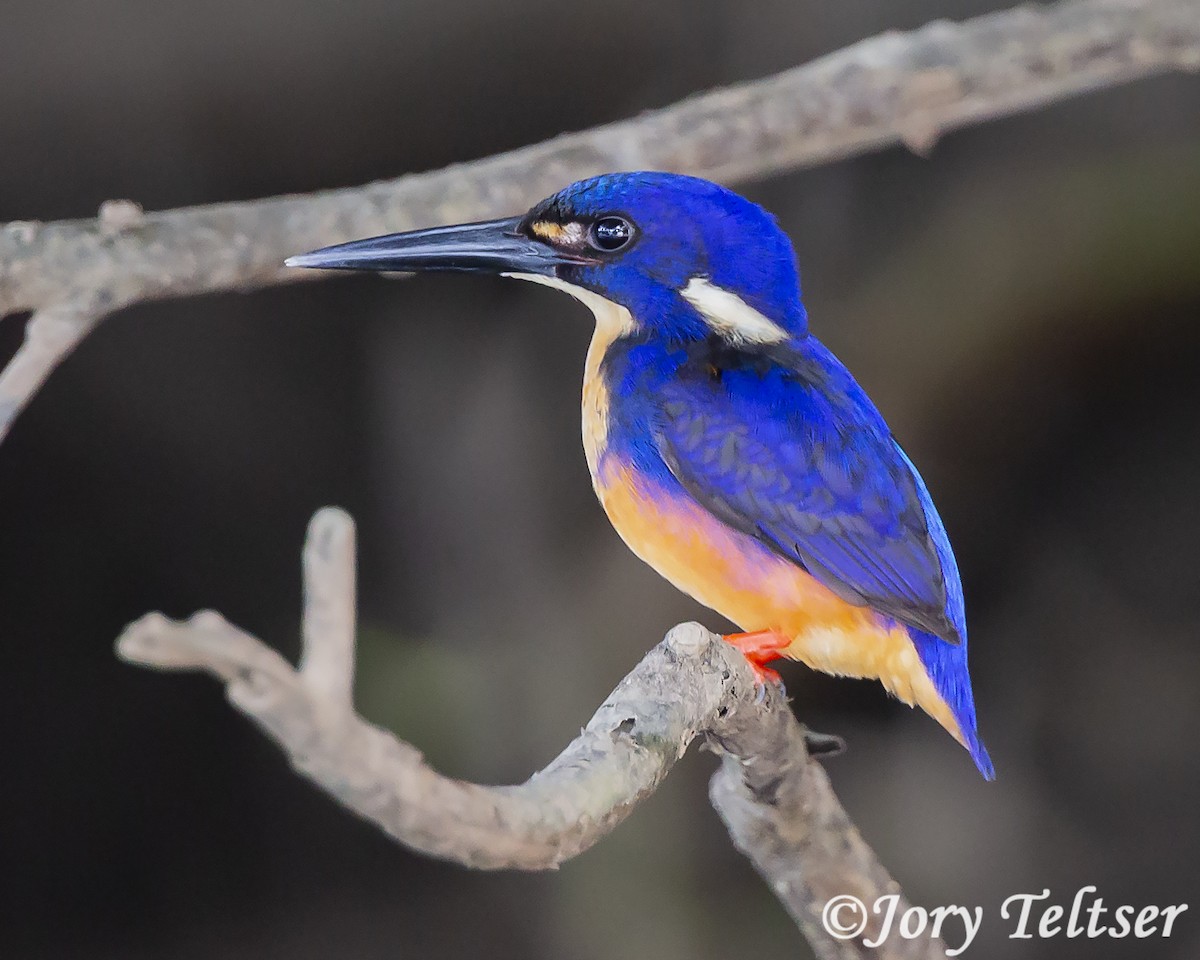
{"points": [[816, 476]]}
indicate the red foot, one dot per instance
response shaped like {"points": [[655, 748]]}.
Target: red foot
{"points": [[760, 648]]}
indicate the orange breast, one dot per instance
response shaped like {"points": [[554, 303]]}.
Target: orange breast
{"points": [[722, 568], [758, 589]]}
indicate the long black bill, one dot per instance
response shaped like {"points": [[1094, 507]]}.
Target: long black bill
{"points": [[495, 246]]}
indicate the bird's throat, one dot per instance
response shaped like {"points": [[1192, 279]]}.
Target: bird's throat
{"points": [[613, 321]]}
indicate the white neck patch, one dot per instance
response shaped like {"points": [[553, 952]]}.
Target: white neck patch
{"points": [[730, 315], [611, 317]]}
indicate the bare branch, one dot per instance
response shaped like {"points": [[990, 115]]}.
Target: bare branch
{"points": [[51, 333], [897, 87], [775, 799], [782, 813]]}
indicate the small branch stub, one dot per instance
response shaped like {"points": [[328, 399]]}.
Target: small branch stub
{"points": [[327, 664]]}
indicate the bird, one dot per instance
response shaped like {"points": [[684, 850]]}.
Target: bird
{"points": [[731, 450]]}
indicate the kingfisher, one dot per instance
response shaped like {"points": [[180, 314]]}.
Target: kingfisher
{"points": [[730, 449]]}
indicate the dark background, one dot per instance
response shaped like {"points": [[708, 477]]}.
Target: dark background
{"points": [[1023, 305]]}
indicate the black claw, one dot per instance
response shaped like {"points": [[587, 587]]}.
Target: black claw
{"points": [[823, 745]]}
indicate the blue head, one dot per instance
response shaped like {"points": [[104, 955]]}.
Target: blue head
{"points": [[681, 254], [653, 234]]}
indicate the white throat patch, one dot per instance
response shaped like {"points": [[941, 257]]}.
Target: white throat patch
{"points": [[613, 321], [611, 318], [730, 315]]}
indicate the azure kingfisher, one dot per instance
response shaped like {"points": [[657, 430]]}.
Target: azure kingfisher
{"points": [[732, 451]]}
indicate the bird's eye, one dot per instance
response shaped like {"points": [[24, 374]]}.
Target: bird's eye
{"points": [[610, 234]]}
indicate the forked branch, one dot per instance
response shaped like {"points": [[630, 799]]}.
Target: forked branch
{"points": [[774, 798]]}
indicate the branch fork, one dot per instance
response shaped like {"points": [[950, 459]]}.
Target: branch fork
{"points": [[774, 798]]}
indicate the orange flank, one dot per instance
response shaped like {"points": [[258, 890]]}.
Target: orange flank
{"points": [[761, 591]]}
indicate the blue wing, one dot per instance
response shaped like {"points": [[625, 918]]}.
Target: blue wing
{"points": [[788, 449]]}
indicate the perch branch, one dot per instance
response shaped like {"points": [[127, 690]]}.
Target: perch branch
{"points": [[896, 87], [774, 798]]}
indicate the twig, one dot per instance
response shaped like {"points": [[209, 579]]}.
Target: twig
{"points": [[775, 799], [897, 87]]}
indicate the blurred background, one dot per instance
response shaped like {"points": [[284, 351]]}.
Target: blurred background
{"points": [[1024, 305]]}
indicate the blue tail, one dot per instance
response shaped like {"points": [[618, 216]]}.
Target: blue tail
{"points": [[946, 664]]}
